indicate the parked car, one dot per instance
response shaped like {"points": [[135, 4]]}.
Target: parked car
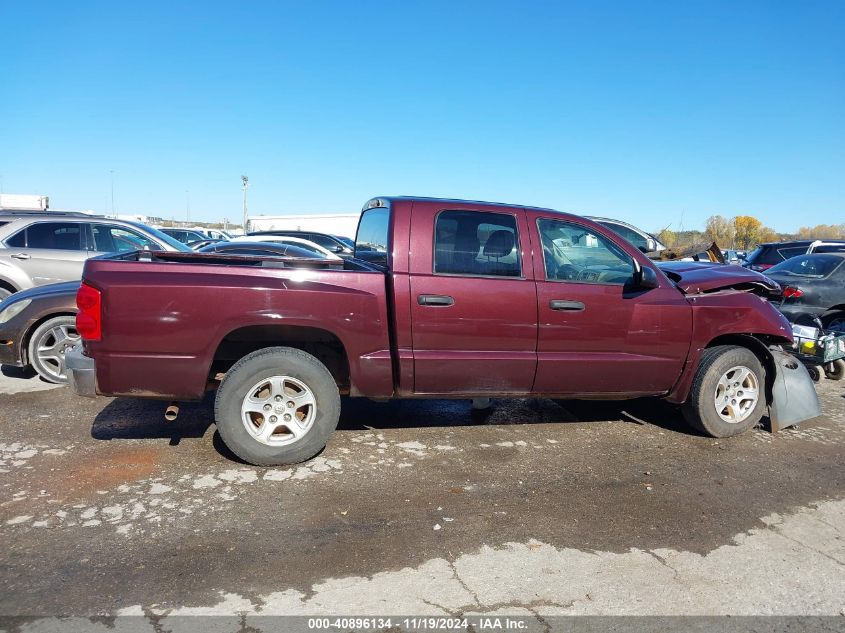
{"points": [[37, 327], [646, 242], [186, 236], [453, 303], [214, 234], [734, 257], [813, 285], [316, 249], [331, 243], [772, 253], [259, 249], [44, 248]]}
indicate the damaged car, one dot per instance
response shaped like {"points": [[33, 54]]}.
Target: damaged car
{"points": [[443, 299]]}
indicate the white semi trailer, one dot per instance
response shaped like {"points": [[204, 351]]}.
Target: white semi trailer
{"points": [[24, 202], [344, 224]]}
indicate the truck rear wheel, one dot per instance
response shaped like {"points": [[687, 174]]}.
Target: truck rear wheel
{"points": [[277, 406], [728, 392]]}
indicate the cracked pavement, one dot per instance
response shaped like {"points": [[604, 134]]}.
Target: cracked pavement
{"points": [[529, 508]]}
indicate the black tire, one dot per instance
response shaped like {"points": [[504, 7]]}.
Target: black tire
{"points": [[700, 408], [266, 363], [835, 370], [835, 321], [52, 369]]}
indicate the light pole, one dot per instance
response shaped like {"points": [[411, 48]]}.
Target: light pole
{"points": [[245, 181], [188, 206], [111, 175]]}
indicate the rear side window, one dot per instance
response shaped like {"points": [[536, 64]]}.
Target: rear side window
{"points": [[371, 240], [18, 240], [830, 248], [476, 243], [65, 236], [765, 255], [792, 251], [808, 266]]}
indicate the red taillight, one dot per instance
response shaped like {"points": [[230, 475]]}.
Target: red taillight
{"points": [[792, 293], [88, 318]]}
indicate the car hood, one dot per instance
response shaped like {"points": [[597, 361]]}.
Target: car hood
{"points": [[68, 288], [701, 277]]}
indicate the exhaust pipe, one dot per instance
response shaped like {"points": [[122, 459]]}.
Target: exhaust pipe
{"points": [[171, 412]]}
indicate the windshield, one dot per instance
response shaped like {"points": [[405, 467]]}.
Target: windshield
{"points": [[163, 237], [807, 266]]}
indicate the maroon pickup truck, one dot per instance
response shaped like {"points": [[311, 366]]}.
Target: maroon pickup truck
{"points": [[444, 299]]}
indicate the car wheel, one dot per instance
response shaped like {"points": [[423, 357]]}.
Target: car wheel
{"points": [[48, 344], [277, 406], [835, 322], [5, 293], [728, 392], [835, 370]]}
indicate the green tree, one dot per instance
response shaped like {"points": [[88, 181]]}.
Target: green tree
{"points": [[668, 237], [747, 230], [721, 230]]}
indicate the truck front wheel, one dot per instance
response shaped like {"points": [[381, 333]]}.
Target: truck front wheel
{"points": [[728, 392], [277, 406]]}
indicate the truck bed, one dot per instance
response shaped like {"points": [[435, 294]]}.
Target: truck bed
{"points": [[172, 321]]}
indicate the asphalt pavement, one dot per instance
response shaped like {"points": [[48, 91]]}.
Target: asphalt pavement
{"points": [[426, 507]]}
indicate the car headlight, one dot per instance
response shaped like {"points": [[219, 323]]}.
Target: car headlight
{"points": [[13, 310]]}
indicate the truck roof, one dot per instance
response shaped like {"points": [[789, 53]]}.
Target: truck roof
{"points": [[382, 201]]}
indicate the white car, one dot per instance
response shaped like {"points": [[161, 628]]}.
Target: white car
{"points": [[295, 241]]}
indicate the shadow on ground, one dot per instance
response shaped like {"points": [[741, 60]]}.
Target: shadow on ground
{"points": [[131, 418]]}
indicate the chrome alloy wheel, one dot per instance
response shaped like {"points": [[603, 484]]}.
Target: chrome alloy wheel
{"points": [[52, 347], [278, 410], [737, 393]]}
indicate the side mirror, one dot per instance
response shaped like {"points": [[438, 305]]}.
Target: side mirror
{"points": [[644, 278], [648, 278]]}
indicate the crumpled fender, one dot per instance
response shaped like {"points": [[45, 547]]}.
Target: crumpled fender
{"points": [[793, 399]]}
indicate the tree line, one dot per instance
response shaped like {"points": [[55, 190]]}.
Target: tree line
{"points": [[744, 232]]}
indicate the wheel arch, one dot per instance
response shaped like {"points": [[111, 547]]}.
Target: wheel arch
{"points": [[323, 344], [27, 336], [758, 344]]}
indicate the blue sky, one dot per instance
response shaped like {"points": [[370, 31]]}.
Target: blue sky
{"points": [[659, 113]]}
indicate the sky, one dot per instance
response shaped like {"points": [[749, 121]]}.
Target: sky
{"points": [[658, 113]]}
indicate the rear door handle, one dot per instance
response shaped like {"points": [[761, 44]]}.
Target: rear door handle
{"points": [[564, 304], [435, 300], [20, 256]]}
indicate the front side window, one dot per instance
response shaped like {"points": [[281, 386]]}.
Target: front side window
{"points": [[572, 253], [114, 239], [476, 243], [64, 236]]}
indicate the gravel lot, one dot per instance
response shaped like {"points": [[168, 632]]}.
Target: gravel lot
{"points": [[531, 507]]}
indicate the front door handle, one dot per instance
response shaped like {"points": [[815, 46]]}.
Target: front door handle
{"points": [[564, 304], [20, 256], [435, 300]]}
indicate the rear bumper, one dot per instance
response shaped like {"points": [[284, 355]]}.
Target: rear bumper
{"points": [[81, 372]]}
